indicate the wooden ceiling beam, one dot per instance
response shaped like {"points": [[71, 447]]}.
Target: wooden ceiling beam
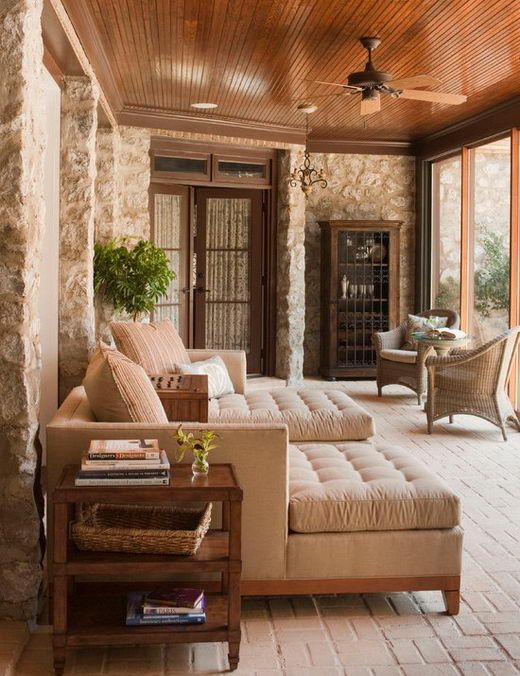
{"points": [[154, 119]]}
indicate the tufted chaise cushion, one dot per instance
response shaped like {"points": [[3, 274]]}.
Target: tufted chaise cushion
{"points": [[310, 414], [356, 486]]}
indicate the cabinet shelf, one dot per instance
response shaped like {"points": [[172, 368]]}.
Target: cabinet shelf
{"points": [[98, 617]]}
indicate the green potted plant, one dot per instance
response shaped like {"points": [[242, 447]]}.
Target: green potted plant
{"points": [[132, 279], [199, 446]]}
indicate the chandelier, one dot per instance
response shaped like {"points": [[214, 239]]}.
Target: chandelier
{"points": [[306, 176]]}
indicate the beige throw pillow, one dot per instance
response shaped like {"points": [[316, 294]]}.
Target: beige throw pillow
{"points": [[156, 346], [119, 390], [219, 382], [416, 324]]}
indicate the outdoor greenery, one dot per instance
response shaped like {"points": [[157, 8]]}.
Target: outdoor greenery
{"points": [[132, 279], [491, 277]]}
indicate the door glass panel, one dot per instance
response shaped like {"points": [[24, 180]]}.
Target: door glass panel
{"points": [[446, 233], [168, 235], [185, 165], [228, 273], [490, 225], [241, 169]]}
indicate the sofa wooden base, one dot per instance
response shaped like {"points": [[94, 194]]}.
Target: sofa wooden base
{"points": [[449, 585]]}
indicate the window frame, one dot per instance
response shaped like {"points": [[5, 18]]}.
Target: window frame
{"points": [[426, 242]]}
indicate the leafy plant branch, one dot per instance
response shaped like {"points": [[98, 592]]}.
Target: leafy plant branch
{"points": [[132, 279]]}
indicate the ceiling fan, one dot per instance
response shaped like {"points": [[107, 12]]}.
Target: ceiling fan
{"points": [[371, 83]]}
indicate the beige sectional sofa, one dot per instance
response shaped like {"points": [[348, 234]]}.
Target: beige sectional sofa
{"points": [[328, 512]]}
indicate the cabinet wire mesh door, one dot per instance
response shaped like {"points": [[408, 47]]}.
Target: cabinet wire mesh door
{"points": [[360, 280], [228, 293]]}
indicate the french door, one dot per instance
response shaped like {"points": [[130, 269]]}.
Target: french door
{"points": [[214, 238], [228, 261]]}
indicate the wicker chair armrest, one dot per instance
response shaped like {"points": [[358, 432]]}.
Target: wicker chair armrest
{"points": [[460, 357], [423, 353], [389, 340]]}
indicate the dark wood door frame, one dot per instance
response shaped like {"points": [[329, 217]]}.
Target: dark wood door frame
{"points": [[256, 271], [269, 215]]}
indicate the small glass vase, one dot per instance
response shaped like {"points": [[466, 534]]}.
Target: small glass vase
{"points": [[200, 467]]}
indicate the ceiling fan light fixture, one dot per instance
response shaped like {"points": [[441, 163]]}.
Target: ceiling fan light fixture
{"points": [[306, 176], [369, 95]]}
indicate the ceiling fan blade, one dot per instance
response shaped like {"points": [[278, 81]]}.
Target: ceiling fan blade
{"points": [[311, 99], [414, 82], [433, 97], [337, 84], [369, 106]]}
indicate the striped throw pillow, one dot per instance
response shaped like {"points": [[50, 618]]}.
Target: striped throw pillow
{"points": [[119, 390], [156, 346]]}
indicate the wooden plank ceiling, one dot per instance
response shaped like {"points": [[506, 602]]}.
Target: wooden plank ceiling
{"points": [[258, 58]]}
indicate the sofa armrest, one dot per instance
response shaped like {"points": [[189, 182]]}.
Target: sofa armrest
{"points": [[259, 453], [235, 361]]}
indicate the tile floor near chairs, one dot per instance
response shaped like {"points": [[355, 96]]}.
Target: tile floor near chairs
{"points": [[375, 634]]}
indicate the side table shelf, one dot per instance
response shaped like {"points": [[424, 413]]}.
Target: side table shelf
{"points": [[92, 613]]}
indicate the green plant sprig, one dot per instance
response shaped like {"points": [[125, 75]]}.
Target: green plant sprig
{"points": [[199, 446], [132, 279]]}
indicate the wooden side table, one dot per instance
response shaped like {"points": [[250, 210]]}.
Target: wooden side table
{"points": [[184, 397], [93, 613]]}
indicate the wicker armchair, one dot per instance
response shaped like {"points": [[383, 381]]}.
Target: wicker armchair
{"points": [[404, 367], [473, 382]]}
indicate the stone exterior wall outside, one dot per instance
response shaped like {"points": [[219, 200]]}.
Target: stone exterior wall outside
{"points": [[359, 187], [77, 207], [22, 210]]}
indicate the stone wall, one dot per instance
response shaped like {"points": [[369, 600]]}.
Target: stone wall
{"points": [[290, 306], [77, 206], [22, 210], [134, 182], [359, 187], [121, 192]]}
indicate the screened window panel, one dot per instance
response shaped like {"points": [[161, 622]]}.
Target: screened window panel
{"points": [[446, 226], [490, 224]]}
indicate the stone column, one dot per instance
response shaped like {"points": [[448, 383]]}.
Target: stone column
{"points": [[107, 212], [77, 199], [22, 210], [134, 182], [290, 313]]}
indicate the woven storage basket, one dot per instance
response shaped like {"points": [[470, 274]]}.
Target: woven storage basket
{"points": [[140, 529]]}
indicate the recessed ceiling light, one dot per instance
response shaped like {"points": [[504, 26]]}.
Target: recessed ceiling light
{"points": [[204, 105]]}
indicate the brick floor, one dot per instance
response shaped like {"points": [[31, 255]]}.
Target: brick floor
{"points": [[377, 634]]}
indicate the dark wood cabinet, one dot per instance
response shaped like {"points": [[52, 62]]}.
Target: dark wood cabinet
{"points": [[359, 293]]}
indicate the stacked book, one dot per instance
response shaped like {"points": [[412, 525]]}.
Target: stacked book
{"points": [[166, 605], [124, 462]]}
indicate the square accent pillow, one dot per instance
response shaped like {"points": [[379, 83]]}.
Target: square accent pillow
{"points": [[156, 346], [219, 382], [119, 390], [415, 324]]}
